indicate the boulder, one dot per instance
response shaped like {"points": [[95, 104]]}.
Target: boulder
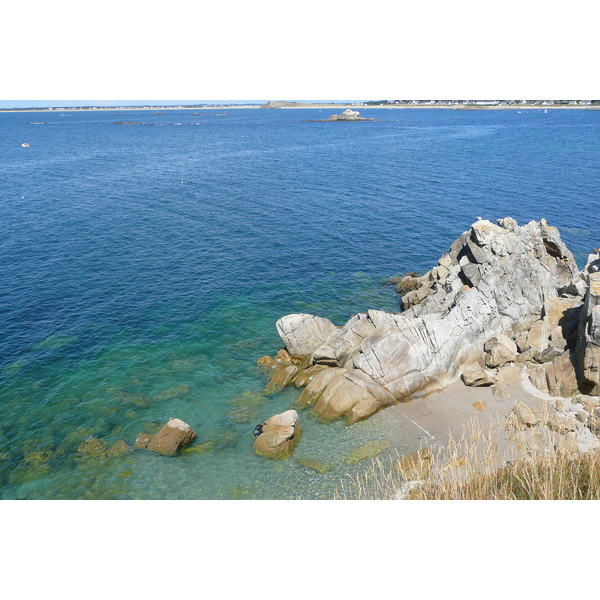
{"points": [[523, 416], [311, 393], [501, 350], [277, 436], [563, 423], [561, 316], [302, 334], [548, 355], [408, 283], [537, 338], [475, 376], [172, 436], [284, 356], [353, 395], [557, 377], [558, 326]]}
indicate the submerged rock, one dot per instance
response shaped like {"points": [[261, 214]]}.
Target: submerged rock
{"points": [[173, 435], [93, 449], [367, 450], [251, 398], [315, 465], [174, 392], [277, 436], [266, 363], [243, 414], [37, 459], [202, 448], [247, 407], [120, 448]]}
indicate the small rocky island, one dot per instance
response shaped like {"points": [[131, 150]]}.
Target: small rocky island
{"points": [[347, 115]]}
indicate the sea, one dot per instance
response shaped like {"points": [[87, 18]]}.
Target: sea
{"points": [[145, 257]]}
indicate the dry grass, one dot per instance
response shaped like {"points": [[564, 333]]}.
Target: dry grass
{"points": [[480, 467]]}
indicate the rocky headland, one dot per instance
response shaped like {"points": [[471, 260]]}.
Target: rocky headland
{"points": [[505, 312]]}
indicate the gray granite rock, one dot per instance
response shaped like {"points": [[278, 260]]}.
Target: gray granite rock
{"points": [[302, 334], [494, 280], [588, 343]]}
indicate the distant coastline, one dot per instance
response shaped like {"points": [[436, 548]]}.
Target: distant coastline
{"points": [[452, 105]]}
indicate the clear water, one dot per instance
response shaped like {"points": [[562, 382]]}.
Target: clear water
{"points": [[143, 267]]}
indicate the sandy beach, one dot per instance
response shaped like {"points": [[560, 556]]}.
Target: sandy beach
{"points": [[445, 414]]}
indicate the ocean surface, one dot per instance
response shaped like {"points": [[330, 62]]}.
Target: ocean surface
{"points": [[143, 267]]}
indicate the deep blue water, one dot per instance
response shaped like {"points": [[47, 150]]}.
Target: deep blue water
{"points": [[143, 267]]}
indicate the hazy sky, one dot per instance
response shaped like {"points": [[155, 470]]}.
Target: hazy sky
{"points": [[44, 103], [64, 103]]}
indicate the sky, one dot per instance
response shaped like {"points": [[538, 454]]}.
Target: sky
{"points": [[69, 103], [321, 49]]}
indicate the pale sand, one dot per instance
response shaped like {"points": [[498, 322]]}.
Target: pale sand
{"points": [[447, 413]]}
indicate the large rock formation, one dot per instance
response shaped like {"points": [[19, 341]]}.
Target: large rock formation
{"points": [[496, 281]]}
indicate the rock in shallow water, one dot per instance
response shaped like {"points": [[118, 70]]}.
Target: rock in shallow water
{"points": [[173, 435], [283, 375], [315, 465], [367, 450], [277, 436]]}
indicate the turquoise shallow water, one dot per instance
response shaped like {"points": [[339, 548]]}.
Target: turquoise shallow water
{"points": [[143, 267]]}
